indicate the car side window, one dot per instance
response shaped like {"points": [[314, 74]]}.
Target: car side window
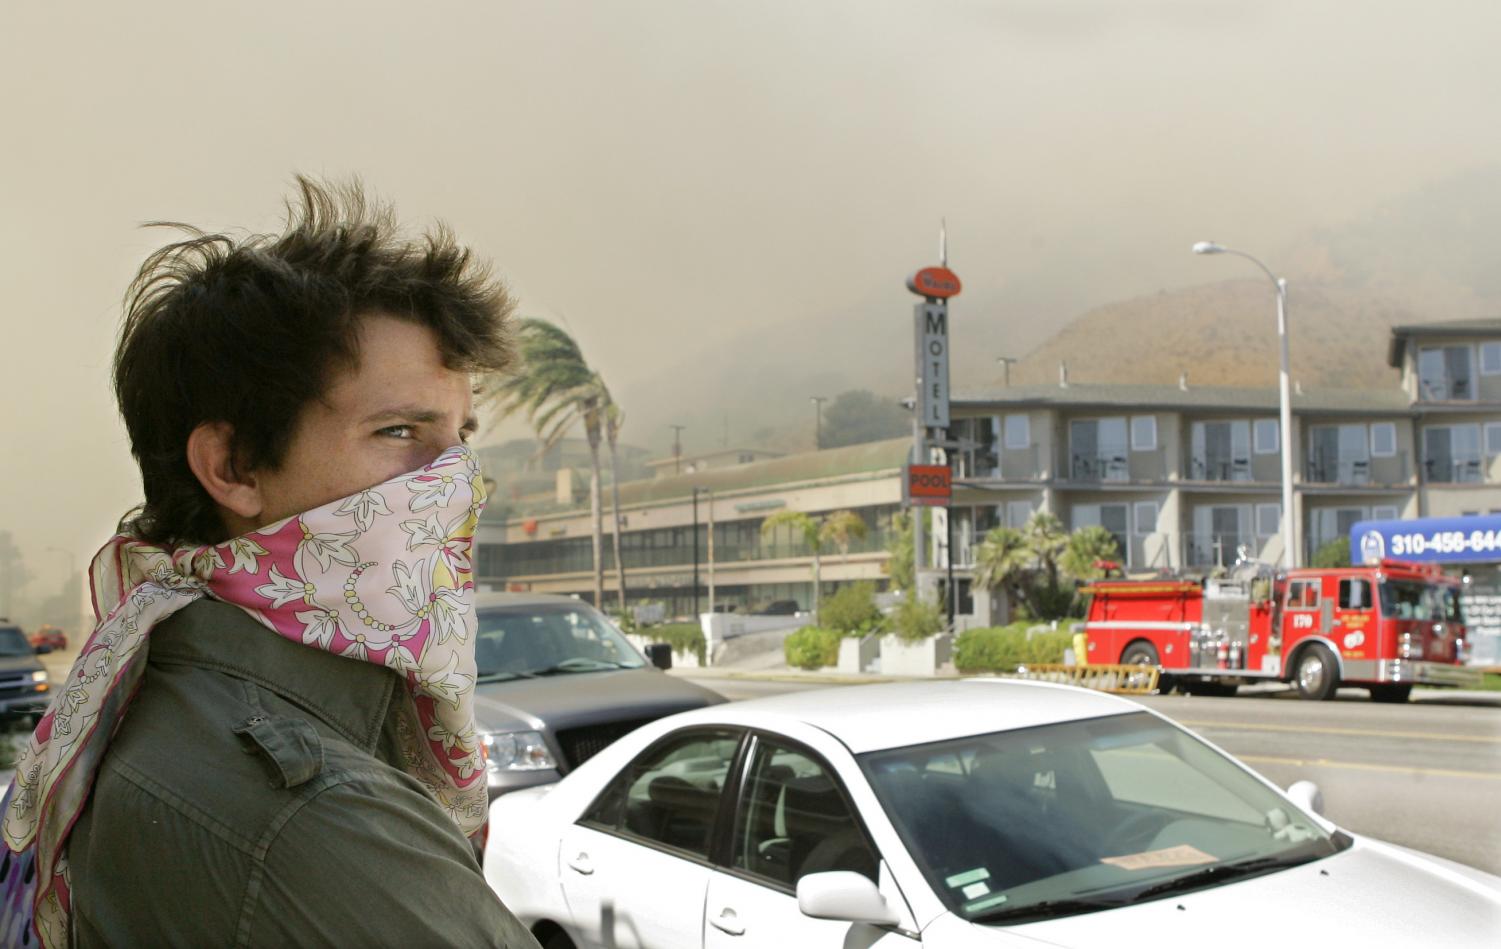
{"points": [[794, 820], [670, 794]]}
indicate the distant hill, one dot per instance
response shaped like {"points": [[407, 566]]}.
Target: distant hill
{"points": [[1226, 334]]}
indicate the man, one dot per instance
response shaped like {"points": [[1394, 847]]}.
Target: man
{"points": [[268, 740]]}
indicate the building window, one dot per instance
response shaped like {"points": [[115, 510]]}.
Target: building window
{"points": [[1018, 431], [1220, 451], [1385, 512], [1383, 439], [1112, 517], [1445, 374], [1490, 359], [1451, 453], [1492, 440], [1018, 513], [1268, 520], [1098, 450], [1144, 433], [1339, 454], [1145, 515], [1268, 433]]}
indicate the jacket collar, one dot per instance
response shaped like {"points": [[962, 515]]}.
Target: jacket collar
{"points": [[353, 697]]}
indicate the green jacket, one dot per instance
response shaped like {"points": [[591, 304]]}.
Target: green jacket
{"points": [[251, 798]]}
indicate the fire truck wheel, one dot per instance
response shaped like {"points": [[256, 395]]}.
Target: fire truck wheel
{"points": [[1142, 653], [1391, 693], [1316, 674]]}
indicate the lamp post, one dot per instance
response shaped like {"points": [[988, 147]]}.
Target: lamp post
{"points": [[818, 401], [1284, 391]]}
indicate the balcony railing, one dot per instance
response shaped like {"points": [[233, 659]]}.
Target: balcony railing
{"points": [[1221, 549], [1324, 469], [1219, 468], [1452, 470], [1020, 464], [1111, 466]]}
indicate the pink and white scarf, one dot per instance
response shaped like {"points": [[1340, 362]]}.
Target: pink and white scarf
{"points": [[382, 576]]}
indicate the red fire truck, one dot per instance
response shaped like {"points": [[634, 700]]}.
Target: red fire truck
{"points": [[1384, 628]]}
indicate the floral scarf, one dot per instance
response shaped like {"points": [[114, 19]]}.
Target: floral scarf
{"points": [[382, 576]]}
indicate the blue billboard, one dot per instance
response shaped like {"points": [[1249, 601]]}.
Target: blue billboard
{"points": [[1472, 539]]}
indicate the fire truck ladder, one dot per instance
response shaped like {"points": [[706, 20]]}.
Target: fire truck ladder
{"points": [[1122, 680]]}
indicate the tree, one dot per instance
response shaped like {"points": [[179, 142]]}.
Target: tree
{"points": [[1087, 547], [838, 528], [901, 565], [555, 388], [614, 419], [860, 416], [1336, 553], [1003, 561]]}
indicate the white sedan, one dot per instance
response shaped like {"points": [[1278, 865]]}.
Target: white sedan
{"points": [[975, 813]]}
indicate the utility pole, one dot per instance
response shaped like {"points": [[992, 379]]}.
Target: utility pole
{"points": [[710, 496], [818, 401], [677, 448], [696, 613]]}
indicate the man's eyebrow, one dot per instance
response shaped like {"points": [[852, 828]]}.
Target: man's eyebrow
{"points": [[415, 413]]}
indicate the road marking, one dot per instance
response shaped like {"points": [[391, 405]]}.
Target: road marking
{"points": [[1359, 766], [1331, 730]]}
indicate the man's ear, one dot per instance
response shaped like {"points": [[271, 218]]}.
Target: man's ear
{"points": [[210, 456]]}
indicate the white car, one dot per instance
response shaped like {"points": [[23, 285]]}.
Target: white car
{"points": [[977, 813]]}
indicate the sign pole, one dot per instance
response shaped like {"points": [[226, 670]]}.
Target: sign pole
{"points": [[930, 408]]}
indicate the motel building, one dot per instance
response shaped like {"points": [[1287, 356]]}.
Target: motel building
{"points": [[1184, 476]]}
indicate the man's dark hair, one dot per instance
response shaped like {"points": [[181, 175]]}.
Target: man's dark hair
{"points": [[249, 331]]}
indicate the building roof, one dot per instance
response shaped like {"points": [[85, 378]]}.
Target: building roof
{"points": [[831, 463], [1176, 398], [1451, 328]]}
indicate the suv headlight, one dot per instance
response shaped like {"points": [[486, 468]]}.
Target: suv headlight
{"points": [[516, 751], [39, 676]]}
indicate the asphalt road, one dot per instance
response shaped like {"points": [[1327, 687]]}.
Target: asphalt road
{"points": [[1424, 775]]}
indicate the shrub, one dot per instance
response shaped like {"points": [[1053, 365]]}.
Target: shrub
{"points": [[915, 620], [1336, 553], [852, 610], [682, 637], [812, 647], [1003, 648]]}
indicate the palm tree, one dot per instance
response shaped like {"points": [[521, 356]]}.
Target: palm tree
{"points": [[1003, 560], [838, 528], [1087, 547], [1047, 540], [556, 389], [614, 419]]}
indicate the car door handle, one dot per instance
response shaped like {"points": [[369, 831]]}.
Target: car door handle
{"points": [[727, 922], [581, 864]]}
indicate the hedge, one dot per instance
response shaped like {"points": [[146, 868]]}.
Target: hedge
{"points": [[812, 647], [1003, 648], [682, 637]]}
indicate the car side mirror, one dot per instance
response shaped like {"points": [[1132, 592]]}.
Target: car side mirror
{"points": [[660, 655], [845, 896], [1307, 796]]}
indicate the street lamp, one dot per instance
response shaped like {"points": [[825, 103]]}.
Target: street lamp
{"points": [[1284, 390], [818, 401]]}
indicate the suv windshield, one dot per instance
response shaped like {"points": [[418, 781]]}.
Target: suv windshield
{"points": [[546, 639], [1409, 599], [1081, 816], [13, 642]]}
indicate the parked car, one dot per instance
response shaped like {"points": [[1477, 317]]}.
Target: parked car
{"points": [[23, 679], [557, 683], [954, 814]]}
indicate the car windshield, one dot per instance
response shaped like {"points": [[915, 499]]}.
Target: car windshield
{"points": [[1409, 599], [1081, 816], [13, 642], [547, 639]]}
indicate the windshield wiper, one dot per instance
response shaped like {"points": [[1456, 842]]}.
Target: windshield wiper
{"points": [[1220, 873], [502, 676], [580, 664], [1047, 909]]}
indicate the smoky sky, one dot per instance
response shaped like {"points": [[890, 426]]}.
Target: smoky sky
{"points": [[678, 180]]}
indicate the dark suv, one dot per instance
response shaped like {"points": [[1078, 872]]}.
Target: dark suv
{"points": [[23, 680], [558, 683]]}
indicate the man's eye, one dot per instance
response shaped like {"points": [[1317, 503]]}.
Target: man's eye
{"points": [[397, 431]]}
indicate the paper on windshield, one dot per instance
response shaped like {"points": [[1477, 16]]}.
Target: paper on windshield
{"points": [[1182, 855]]}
